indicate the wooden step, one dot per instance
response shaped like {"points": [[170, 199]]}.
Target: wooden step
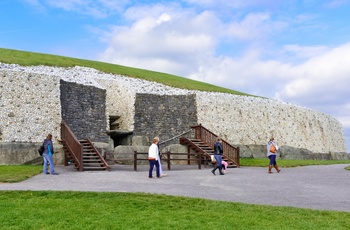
{"points": [[94, 168]]}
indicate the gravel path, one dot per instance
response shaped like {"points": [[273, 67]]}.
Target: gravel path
{"points": [[314, 187]]}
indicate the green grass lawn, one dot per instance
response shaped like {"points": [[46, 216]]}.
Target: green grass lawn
{"points": [[17, 173], [263, 162], [109, 210]]}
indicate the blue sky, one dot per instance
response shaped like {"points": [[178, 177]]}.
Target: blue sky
{"points": [[294, 51]]}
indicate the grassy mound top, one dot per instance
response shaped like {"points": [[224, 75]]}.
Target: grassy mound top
{"points": [[25, 58]]}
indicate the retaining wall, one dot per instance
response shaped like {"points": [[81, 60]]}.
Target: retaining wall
{"points": [[32, 105], [84, 110], [244, 120], [164, 115]]}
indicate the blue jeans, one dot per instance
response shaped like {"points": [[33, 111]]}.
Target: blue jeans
{"points": [[48, 158], [153, 163], [218, 160]]}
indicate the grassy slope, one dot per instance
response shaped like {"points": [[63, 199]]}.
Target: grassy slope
{"points": [[33, 59]]}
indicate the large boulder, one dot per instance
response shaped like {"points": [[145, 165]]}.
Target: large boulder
{"points": [[125, 154], [16, 153]]}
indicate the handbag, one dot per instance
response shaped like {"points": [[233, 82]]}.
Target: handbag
{"points": [[273, 149], [41, 150], [213, 159]]}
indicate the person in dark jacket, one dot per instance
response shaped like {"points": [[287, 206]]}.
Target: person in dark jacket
{"points": [[47, 155], [218, 151]]}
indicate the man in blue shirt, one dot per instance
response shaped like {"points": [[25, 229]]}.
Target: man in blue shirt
{"points": [[47, 155]]}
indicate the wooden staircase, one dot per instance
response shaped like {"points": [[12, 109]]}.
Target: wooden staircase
{"points": [[92, 159], [203, 143], [69, 157], [82, 153], [198, 146]]}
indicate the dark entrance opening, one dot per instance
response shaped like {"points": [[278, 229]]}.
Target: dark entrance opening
{"points": [[119, 137]]}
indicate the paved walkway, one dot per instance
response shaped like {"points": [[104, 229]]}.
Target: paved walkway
{"points": [[314, 187]]}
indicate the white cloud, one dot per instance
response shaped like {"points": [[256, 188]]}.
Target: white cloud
{"points": [[336, 3], [224, 4], [95, 8], [254, 26], [163, 40], [187, 41], [36, 4], [304, 52], [324, 77]]}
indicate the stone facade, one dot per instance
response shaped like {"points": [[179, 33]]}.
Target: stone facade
{"points": [[30, 106], [84, 110], [164, 116], [34, 100], [242, 120], [120, 101]]}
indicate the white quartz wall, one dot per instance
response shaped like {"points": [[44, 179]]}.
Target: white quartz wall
{"points": [[120, 101], [252, 121], [29, 106]]}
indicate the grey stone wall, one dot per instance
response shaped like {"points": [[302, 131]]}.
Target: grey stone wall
{"points": [[165, 116], [84, 110]]}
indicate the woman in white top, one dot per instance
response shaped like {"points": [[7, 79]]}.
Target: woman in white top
{"points": [[153, 157]]}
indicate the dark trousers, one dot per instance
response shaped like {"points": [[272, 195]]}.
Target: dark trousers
{"points": [[218, 163], [273, 159], [218, 159], [153, 163]]}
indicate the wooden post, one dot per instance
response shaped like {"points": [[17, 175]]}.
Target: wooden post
{"points": [[135, 160], [199, 160], [238, 159], [188, 158], [80, 168], [168, 159]]}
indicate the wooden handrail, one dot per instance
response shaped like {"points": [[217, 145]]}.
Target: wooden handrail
{"points": [[70, 151], [209, 138], [192, 144], [73, 144]]}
